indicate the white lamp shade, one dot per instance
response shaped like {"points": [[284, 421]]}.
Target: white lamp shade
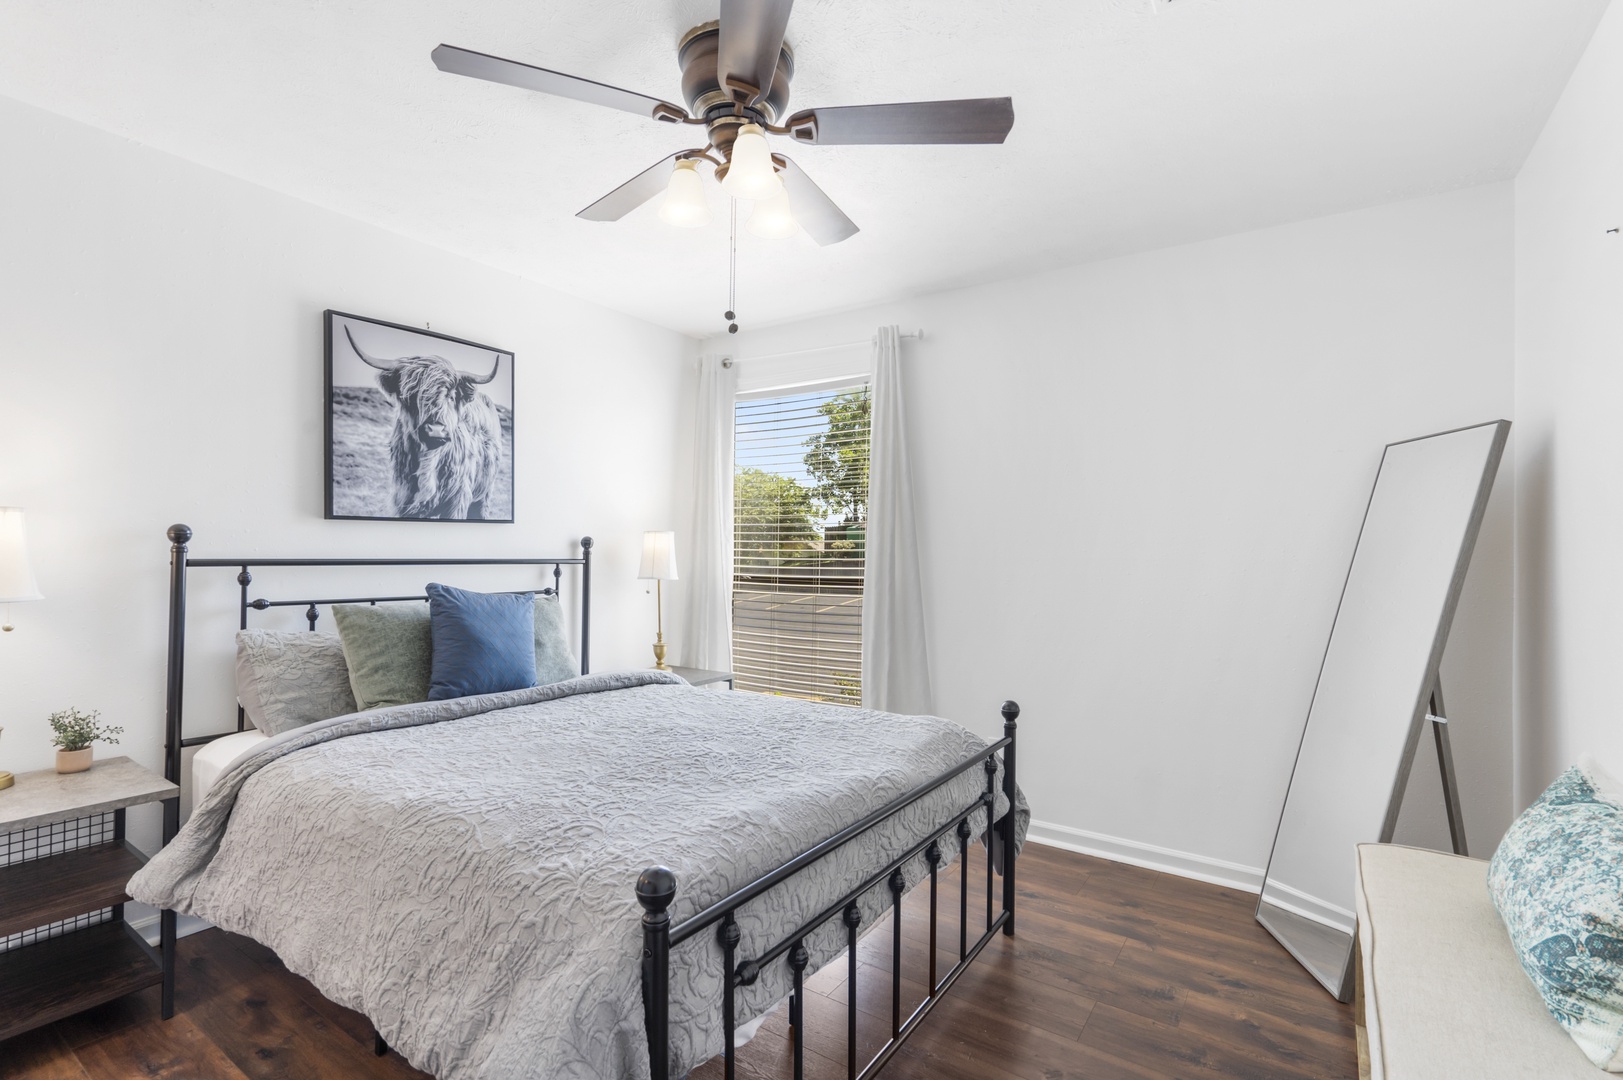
{"points": [[772, 219], [684, 205], [750, 174], [16, 575], [658, 556]]}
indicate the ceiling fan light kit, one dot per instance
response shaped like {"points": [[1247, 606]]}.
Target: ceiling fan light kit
{"points": [[750, 174], [772, 219], [684, 205]]}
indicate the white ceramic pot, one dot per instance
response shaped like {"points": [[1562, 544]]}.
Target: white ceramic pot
{"points": [[74, 760]]}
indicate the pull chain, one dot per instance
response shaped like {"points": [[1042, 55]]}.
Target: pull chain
{"points": [[732, 270]]}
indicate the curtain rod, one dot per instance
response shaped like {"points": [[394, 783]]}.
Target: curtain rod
{"points": [[915, 335]]}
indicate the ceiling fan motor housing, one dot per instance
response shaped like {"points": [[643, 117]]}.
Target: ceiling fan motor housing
{"points": [[726, 109]]}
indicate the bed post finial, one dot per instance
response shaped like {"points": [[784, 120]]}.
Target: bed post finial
{"points": [[180, 534], [1011, 713], [656, 888]]}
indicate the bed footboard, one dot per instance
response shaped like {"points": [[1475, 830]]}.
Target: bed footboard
{"points": [[656, 889]]}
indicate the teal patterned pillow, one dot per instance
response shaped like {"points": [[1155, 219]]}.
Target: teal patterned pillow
{"points": [[1557, 880]]}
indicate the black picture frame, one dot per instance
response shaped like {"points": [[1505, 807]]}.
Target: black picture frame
{"points": [[366, 427]]}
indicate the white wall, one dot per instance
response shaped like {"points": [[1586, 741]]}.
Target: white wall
{"points": [[1569, 381], [161, 361], [1140, 482]]}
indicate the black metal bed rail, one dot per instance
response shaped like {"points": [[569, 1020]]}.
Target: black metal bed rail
{"points": [[656, 889]]}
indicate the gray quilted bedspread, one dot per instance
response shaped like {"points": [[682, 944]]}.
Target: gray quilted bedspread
{"points": [[462, 871]]}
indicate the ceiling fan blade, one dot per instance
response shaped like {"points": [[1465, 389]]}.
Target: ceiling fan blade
{"points": [[477, 65], [631, 194], [815, 211], [750, 40], [972, 120]]}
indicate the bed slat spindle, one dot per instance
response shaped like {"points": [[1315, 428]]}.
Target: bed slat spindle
{"points": [[729, 934], [990, 798], [963, 889], [932, 855], [898, 884], [798, 959], [853, 919]]}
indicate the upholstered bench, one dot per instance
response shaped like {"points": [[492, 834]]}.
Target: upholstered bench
{"points": [[1441, 992]]}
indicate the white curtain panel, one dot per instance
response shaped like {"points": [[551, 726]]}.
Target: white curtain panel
{"points": [[707, 636], [895, 664]]}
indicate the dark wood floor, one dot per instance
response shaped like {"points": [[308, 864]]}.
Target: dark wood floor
{"points": [[1115, 972]]}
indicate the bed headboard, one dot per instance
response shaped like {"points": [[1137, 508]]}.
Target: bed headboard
{"points": [[180, 562]]}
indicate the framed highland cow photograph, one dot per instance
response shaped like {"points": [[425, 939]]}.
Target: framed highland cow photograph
{"points": [[419, 424]]}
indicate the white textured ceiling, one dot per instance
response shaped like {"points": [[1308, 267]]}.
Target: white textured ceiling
{"points": [[1138, 124]]}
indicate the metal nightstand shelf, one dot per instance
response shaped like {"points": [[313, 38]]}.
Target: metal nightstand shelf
{"points": [[67, 861]]}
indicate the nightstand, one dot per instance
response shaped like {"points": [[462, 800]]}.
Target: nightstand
{"points": [[62, 895], [702, 677]]}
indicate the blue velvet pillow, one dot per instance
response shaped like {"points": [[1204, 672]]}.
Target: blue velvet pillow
{"points": [[483, 643]]}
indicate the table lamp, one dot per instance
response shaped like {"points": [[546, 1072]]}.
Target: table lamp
{"points": [[659, 565]]}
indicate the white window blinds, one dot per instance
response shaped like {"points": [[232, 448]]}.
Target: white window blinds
{"points": [[800, 510]]}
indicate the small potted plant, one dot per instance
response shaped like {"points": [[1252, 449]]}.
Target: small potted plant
{"points": [[74, 732]]}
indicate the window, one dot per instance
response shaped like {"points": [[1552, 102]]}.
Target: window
{"points": [[800, 512]]}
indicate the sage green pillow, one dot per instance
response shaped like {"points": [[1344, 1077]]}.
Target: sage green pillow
{"points": [[553, 660], [389, 650]]}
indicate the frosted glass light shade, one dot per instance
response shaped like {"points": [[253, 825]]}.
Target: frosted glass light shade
{"points": [[750, 174], [16, 574], [658, 556], [684, 205], [772, 218]]}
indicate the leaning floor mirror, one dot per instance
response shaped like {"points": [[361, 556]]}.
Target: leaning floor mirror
{"points": [[1378, 691]]}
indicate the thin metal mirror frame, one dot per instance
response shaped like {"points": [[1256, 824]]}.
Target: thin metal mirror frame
{"points": [[1343, 991]]}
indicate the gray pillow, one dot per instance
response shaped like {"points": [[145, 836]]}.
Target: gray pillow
{"points": [[553, 660], [286, 679], [389, 650]]}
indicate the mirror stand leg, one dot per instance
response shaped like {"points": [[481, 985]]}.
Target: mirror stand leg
{"points": [[1445, 764]]}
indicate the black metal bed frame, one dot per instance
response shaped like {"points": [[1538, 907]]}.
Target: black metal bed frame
{"points": [[656, 887]]}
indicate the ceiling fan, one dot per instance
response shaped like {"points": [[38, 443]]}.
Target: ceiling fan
{"points": [[735, 77]]}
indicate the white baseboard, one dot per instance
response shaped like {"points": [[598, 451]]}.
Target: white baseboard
{"points": [[1311, 907], [1182, 863]]}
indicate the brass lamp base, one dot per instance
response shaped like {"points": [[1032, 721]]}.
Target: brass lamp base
{"points": [[6, 780], [659, 654]]}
